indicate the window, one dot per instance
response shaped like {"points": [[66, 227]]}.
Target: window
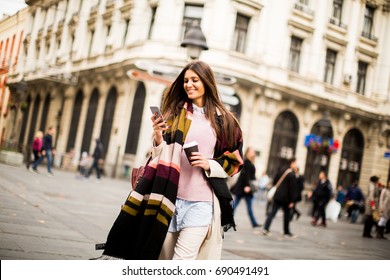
{"points": [[91, 42], [71, 45], [337, 9], [368, 22], [153, 18], [240, 33], [295, 53], [108, 39], [37, 50], [127, 23], [191, 13], [361, 77], [304, 2], [330, 65], [58, 44], [47, 49]]}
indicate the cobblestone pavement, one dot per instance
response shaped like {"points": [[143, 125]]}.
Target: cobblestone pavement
{"points": [[62, 217]]}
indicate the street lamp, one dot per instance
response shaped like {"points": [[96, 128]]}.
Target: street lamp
{"points": [[324, 125], [195, 41]]}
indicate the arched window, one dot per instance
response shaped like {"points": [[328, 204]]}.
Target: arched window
{"points": [[26, 111], [135, 120], [318, 160], [90, 121], [33, 121], [351, 158], [108, 117], [284, 141], [45, 112], [74, 124]]}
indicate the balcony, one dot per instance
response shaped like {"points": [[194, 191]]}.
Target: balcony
{"points": [[303, 8], [337, 22], [369, 36]]}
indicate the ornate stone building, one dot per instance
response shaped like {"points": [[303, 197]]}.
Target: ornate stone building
{"points": [[308, 78], [11, 37]]}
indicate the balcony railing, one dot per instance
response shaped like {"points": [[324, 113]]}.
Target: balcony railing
{"points": [[337, 22], [369, 36], [303, 8]]}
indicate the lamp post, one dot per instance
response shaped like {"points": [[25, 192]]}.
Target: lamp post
{"points": [[325, 126], [195, 41], [324, 131]]}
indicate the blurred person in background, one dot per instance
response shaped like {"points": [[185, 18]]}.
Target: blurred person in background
{"points": [[242, 189]]}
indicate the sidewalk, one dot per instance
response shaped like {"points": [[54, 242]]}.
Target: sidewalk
{"points": [[62, 217]]}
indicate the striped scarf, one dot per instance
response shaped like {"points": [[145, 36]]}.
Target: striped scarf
{"points": [[142, 224]]}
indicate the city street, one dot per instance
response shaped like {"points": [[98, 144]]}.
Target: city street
{"points": [[62, 217]]}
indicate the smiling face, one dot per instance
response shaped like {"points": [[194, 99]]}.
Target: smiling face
{"points": [[194, 88]]}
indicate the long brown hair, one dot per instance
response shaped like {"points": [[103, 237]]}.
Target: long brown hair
{"points": [[175, 96]]}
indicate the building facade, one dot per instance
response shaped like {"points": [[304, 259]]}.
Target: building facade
{"points": [[11, 37], [307, 78]]}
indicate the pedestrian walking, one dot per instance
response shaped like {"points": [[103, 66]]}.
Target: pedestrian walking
{"points": [[300, 187], [36, 147], [98, 155], [371, 214], [242, 188], [284, 197], [322, 194], [179, 205], [384, 210], [48, 151]]}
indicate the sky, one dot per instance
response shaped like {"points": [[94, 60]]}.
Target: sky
{"points": [[10, 7]]}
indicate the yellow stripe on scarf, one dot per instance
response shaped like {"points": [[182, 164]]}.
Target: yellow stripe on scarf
{"points": [[129, 210]]}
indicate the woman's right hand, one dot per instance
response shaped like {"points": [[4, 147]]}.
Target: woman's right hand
{"points": [[158, 127]]}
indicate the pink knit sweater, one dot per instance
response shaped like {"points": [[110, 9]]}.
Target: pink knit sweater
{"points": [[193, 185]]}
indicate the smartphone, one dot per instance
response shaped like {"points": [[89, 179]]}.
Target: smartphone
{"points": [[156, 109]]}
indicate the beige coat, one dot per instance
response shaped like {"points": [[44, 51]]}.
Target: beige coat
{"points": [[384, 203], [373, 195]]}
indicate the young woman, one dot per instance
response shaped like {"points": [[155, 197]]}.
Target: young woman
{"points": [[179, 206], [241, 188], [36, 147]]}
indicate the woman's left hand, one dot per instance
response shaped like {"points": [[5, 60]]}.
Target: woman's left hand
{"points": [[198, 160]]}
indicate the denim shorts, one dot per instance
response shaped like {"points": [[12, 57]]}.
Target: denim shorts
{"points": [[191, 214]]}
